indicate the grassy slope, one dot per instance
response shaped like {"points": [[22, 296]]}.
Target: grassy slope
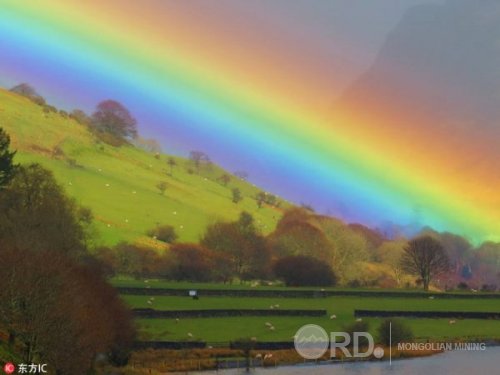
{"points": [[131, 203]]}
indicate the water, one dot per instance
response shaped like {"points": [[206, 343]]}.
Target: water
{"points": [[448, 363]]}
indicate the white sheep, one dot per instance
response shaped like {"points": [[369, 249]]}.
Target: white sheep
{"points": [[359, 320], [190, 334], [150, 303], [272, 328], [452, 322], [333, 316], [176, 320], [431, 297], [268, 324]]}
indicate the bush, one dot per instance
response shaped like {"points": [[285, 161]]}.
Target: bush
{"points": [[164, 233], [462, 286], [401, 332], [361, 326], [301, 270]]}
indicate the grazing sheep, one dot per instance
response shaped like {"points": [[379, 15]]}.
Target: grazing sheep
{"points": [[134, 192], [452, 322], [333, 316], [258, 356], [277, 306], [150, 303], [271, 307], [152, 298], [359, 320], [272, 328], [176, 320], [473, 290], [268, 324], [190, 334], [431, 297], [107, 185]]}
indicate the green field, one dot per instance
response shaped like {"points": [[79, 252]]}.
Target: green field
{"points": [[227, 329], [119, 184]]}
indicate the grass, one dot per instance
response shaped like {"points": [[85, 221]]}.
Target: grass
{"points": [[119, 184], [226, 329]]}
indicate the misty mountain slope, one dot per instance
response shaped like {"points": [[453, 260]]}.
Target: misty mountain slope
{"points": [[442, 61]]}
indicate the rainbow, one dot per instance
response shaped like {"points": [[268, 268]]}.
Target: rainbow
{"points": [[193, 85]]}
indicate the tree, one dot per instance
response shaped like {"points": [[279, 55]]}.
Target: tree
{"points": [[7, 166], [162, 186], [425, 257], [236, 195], [192, 262], [113, 118], [165, 233], [224, 179], [198, 158], [36, 215], [171, 163], [60, 312], [81, 117], [29, 92], [260, 198], [242, 243], [394, 331], [301, 270]]}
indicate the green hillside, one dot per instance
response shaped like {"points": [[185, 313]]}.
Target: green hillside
{"points": [[119, 184]]}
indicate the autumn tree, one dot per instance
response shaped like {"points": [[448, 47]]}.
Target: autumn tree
{"points": [[242, 243], [7, 166], [192, 262], [35, 214], [300, 270], [425, 257], [60, 312], [113, 118]]}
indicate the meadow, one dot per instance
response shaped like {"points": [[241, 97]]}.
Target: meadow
{"points": [[120, 184], [231, 328]]}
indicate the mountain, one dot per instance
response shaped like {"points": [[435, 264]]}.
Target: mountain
{"points": [[119, 184]]}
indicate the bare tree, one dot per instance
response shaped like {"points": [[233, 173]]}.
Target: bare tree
{"points": [[425, 256], [198, 158]]}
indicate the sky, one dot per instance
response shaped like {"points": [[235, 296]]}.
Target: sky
{"points": [[255, 86]]}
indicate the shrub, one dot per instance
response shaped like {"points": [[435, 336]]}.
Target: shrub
{"points": [[360, 326], [165, 233], [400, 331], [304, 271], [462, 286]]}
